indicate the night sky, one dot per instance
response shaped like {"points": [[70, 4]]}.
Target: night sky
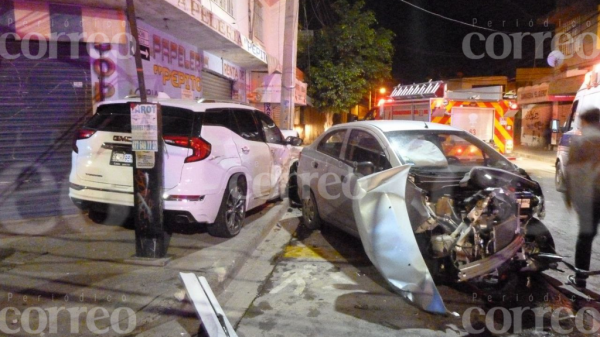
{"points": [[430, 47]]}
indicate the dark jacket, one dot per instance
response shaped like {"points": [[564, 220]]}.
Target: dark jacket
{"points": [[583, 169]]}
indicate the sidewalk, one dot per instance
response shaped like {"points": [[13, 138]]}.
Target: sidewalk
{"points": [[548, 156], [81, 283]]}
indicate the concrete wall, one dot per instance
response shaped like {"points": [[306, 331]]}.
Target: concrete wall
{"points": [[536, 122], [274, 26], [530, 76], [470, 82]]}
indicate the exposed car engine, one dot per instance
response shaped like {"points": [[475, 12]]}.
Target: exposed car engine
{"points": [[482, 226]]}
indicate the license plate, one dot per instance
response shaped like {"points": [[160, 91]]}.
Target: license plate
{"points": [[121, 158], [525, 203]]}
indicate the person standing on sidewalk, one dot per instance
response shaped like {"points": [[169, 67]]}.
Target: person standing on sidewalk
{"points": [[583, 189]]}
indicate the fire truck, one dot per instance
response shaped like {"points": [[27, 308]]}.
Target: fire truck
{"points": [[481, 111]]}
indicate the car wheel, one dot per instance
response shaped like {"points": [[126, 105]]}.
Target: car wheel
{"points": [[559, 180], [310, 213], [232, 212], [293, 186]]}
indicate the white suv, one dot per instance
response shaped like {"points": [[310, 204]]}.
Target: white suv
{"points": [[220, 159]]}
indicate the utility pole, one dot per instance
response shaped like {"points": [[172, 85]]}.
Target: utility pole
{"points": [[151, 240], [288, 77], [138, 58]]}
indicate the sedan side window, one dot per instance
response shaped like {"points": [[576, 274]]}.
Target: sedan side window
{"points": [[331, 144], [271, 131], [364, 147], [246, 125]]}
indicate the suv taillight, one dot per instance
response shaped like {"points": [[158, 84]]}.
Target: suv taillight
{"points": [[81, 134], [201, 147]]}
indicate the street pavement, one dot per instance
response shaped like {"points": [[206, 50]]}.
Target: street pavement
{"points": [[323, 284], [274, 279], [82, 273], [537, 154]]}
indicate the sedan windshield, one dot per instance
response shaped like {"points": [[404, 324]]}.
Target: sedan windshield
{"points": [[453, 150]]}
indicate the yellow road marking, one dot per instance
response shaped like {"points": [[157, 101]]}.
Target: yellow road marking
{"points": [[303, 252]]}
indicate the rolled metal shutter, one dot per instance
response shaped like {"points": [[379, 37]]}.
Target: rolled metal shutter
{"points": [[42, 103], [216, 87]]}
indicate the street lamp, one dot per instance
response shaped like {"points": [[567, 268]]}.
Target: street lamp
{"points": [[381, 99]]}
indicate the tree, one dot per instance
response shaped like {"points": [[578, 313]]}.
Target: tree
{"points": [[346, 58]]}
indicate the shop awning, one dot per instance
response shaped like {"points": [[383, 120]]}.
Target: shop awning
{"points": [[566, 86]]}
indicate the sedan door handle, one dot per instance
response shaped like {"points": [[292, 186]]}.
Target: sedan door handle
{"points": [[315, 164]]}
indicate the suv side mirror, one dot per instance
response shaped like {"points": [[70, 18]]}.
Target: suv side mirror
{"points": [[294, 141]]}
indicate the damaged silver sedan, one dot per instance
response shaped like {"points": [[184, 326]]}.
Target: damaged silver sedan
{"points": [[429, 202]]}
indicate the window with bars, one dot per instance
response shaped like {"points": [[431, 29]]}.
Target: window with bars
{"points": [[226, 5], [566, 41], [258, 20]]}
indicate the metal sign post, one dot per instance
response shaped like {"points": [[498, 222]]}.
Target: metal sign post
{"points": [[151, 240]]}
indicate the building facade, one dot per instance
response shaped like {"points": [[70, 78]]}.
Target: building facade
{"points": [[546, 100], [58, 58]]}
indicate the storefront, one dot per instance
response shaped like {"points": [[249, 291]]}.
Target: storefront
{"points": [[58, 60], [223, 80], [45, 96], [540, 111]]}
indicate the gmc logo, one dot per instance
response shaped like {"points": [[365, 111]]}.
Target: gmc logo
{"points": [[122, 138]]}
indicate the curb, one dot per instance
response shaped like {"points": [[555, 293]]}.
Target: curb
{"points": [[534, 156], [209, 262]]}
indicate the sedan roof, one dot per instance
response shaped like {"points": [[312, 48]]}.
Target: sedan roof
{"points": [[400, 125]]}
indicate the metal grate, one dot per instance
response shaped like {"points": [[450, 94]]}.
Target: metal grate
{"points": [[215, 87], [42, 103]]}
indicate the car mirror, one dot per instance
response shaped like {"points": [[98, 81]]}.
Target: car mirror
{"points": [[364, 168], [294, 141]]}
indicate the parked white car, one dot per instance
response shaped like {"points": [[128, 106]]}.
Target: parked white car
{"points": [[220, 160]]}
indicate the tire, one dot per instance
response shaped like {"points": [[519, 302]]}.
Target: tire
{"points": [[293, 186], [537, 232], [310, 213], [559, 179], [232, 212]]}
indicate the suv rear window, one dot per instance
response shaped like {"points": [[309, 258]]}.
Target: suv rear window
{"points": [[116, 118]]}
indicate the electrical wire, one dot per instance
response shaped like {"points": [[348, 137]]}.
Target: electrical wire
{"points": [[447, 18], [317, 14]]}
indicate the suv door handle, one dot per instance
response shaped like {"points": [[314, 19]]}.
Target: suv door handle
{"points": [[315, 164], [245, 149]]}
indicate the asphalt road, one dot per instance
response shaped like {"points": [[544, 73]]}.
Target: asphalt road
{"points": [[322, 284]]}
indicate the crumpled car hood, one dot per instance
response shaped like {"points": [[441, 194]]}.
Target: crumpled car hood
{"points": [[388, 239]]}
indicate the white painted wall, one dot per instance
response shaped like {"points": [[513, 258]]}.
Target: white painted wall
{"points": [[273, 21], [274, 27]]}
